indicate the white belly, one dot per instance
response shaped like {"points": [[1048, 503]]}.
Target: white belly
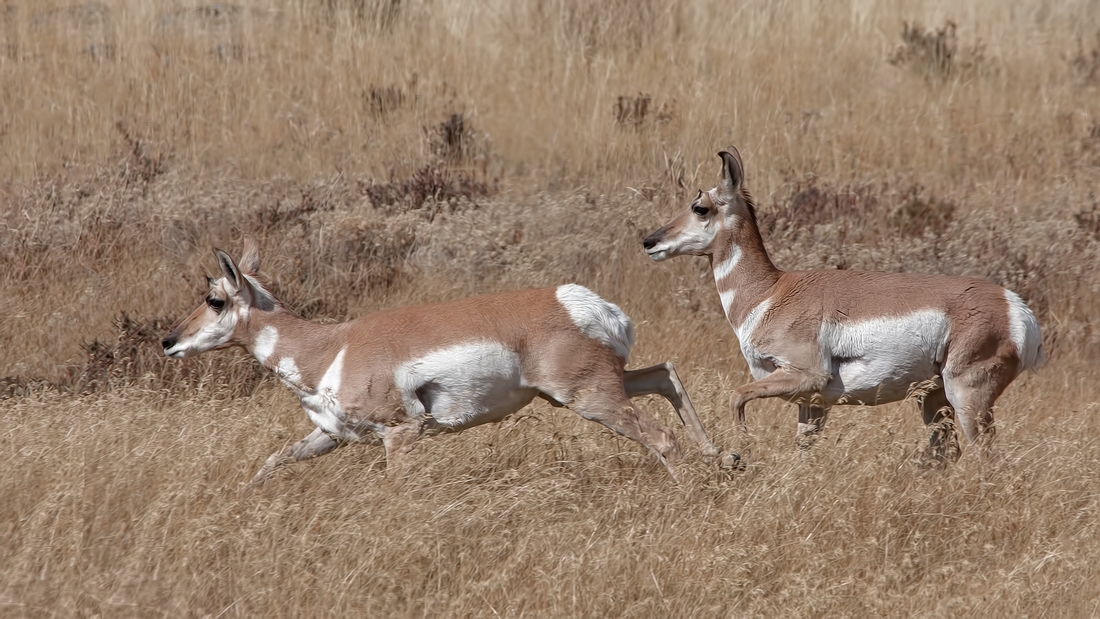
{"points": [[464, 385], [877, 361]]}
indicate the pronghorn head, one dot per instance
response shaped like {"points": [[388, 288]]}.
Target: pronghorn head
{"points": [[721, 208], [225, 311]]}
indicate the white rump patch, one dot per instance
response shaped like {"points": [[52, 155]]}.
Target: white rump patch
{"points": [[265, 343], [464, 385], [598, 319], [1024, 329]]}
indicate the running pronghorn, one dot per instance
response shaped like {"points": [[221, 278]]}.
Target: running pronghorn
{"points": [[394, 376], [820, 338]]}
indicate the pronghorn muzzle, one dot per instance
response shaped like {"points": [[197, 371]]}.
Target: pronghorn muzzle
{"points": [[652, 242], [170, 340]]}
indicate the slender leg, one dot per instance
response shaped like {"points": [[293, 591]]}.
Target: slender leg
{"points": [[973, 404], [662, 380], [939, 416], [317, 443], [811, 423], [399, 441], [782, 382], [618, 413]]}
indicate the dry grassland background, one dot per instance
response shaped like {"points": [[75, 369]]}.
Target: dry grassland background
{"points": [[387, 153]]}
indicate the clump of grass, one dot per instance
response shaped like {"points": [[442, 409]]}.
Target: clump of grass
{"points": [[140, 166], [430, 190], [456, 142], [1085, 62], [860, 210], [637, 112], [935, 54], [135, 356], [1088, 219]]}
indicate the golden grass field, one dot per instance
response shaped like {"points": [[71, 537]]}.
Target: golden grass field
{"points": [[386, 153]]}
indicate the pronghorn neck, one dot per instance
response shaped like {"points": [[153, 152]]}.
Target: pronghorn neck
{"points": [[296, 349], [743, 271]]}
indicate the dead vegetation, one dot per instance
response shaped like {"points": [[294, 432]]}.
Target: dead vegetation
{"points": [[936, 54], [387, 153]]}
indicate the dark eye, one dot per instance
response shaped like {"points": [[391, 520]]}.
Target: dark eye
{"points": [[215, 303], [700, 210]]}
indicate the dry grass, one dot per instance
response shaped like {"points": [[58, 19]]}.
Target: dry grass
{"points": [[387, 153]]}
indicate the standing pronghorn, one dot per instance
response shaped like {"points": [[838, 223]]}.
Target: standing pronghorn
{"points": [[821, 338], [396, 375]]}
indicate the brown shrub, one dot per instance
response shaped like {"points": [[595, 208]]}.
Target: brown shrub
{"points": [[936, 54], [431, 189]]}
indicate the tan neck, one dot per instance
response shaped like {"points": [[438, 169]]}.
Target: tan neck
{"points": [[743, 272], [279, 334]]}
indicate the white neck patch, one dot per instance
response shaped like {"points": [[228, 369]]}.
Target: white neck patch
{"points": [[265, 343], [725, 267]]}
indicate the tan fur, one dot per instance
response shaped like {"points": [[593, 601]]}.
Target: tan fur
{"points": [[556, 359], [977, 353]]}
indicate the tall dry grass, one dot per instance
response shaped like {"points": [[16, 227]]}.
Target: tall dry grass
{"points": [[387, 153]]}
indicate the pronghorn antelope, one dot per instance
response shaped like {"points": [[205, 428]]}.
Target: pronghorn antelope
{"points": [[394, 376], [820, 338]]}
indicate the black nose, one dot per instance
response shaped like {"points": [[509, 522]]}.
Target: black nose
{"points": [[168, 342], [650, 242]]}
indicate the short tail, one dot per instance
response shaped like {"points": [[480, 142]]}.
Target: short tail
{"points": [[598, 319], [1024, 329]]}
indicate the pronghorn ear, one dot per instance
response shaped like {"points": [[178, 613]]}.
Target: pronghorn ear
{"points": [[233, 277], [250, 259], [732, 172]]}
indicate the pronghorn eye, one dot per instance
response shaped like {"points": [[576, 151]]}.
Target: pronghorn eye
{"points": [[215, 303], [700, 210]]}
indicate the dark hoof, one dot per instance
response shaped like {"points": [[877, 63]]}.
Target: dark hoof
{"points": [[732, 461]]}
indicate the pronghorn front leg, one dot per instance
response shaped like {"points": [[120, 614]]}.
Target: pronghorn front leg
{"points": [[617, 412], [399, 441], [318, 443], [662, 380], [783, 382]]}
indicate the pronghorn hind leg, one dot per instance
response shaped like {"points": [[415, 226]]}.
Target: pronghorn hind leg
{"points": [[617, 412], [939, 417], [972, 398], [317, 443], [811, 424], [662, 380]]}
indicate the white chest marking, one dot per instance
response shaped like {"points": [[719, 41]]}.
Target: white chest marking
{"points": [[265, 343], [760, 364], [322, 404], [727, 297], [597, 318], [464, 385]]}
